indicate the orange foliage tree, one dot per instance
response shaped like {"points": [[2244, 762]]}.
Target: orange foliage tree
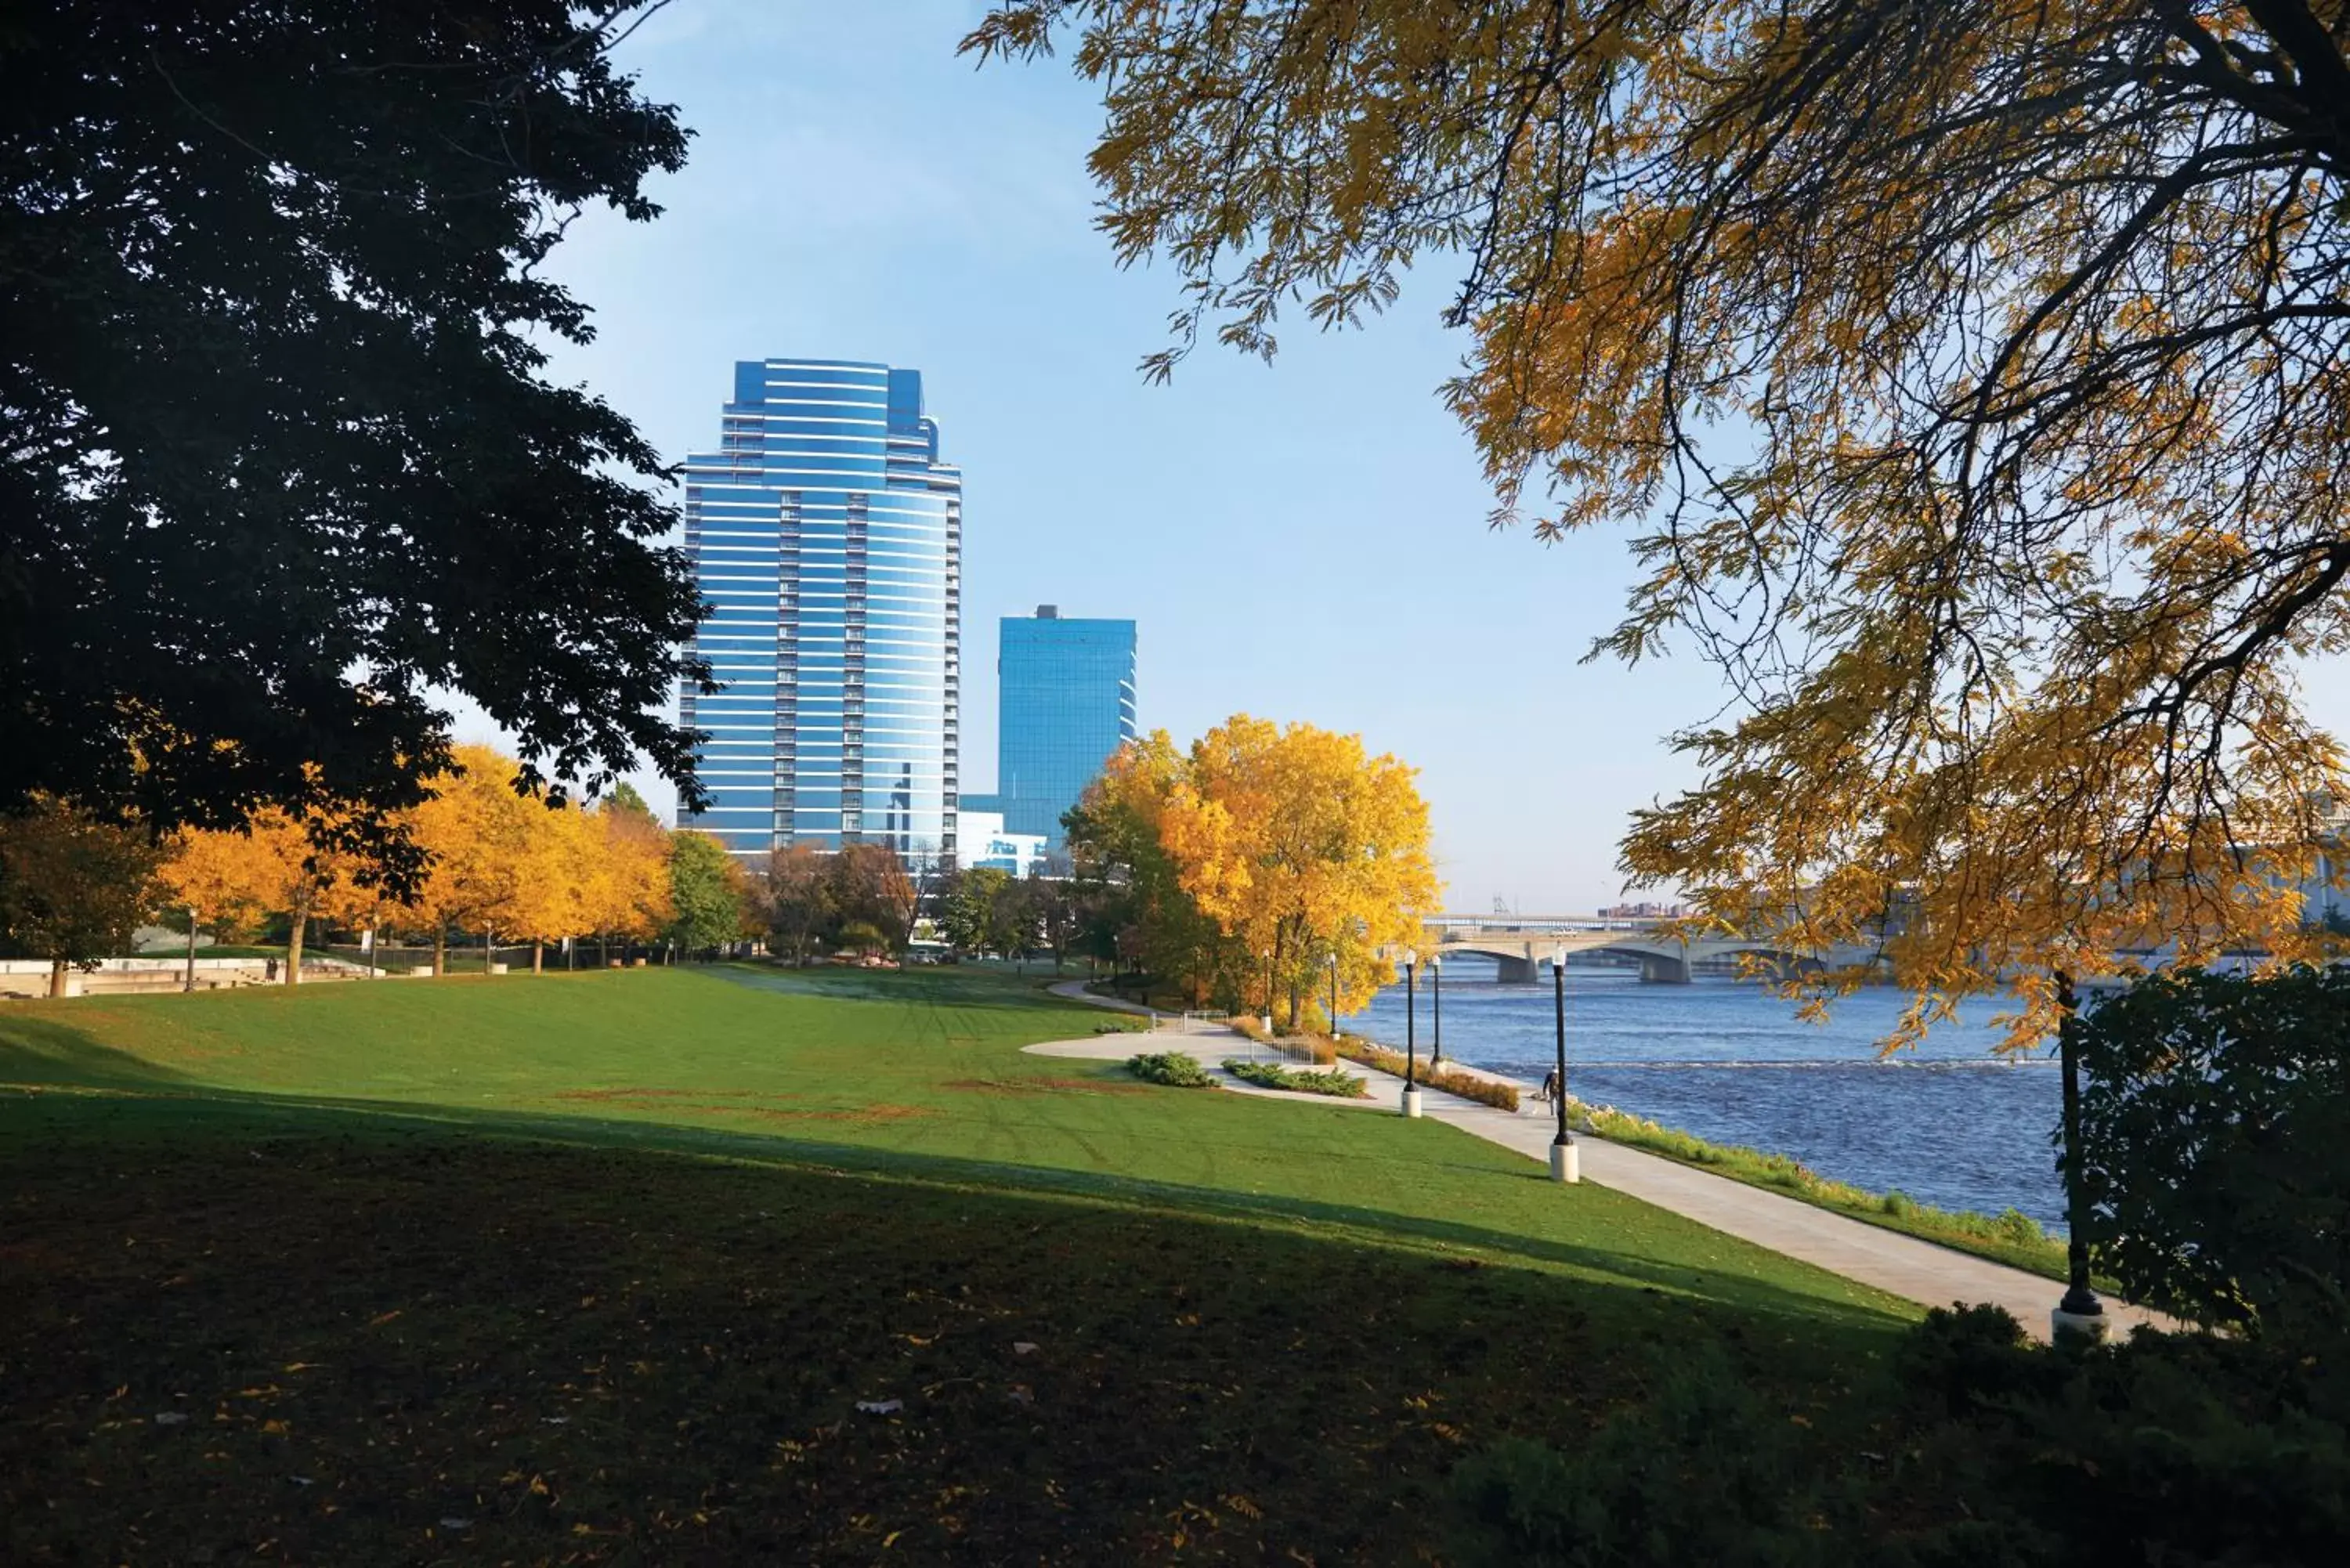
{"points": [[275, 865], [1976, 377], [1263, 857]]}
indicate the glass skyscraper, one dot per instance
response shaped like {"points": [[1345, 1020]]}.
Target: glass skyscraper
{"points": [[1068, 701], [828, 537]]}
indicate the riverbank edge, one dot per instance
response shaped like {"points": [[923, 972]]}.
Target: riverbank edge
{"points": [[1735, 1162], [1781, 1174]]}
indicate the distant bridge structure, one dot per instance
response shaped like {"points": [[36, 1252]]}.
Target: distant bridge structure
{"points": [[1521, 944]]}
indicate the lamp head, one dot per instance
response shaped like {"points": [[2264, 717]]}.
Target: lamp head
{"points": [[1435, 962]]}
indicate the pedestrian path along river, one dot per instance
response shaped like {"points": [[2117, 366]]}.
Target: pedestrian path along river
{"points": [[1891, 1261]]}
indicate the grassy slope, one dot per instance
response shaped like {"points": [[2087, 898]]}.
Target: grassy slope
{"points": [[1254, 1321]]}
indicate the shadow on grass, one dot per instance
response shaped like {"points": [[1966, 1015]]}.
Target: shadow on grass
{"points": [[151, 1108], [44, 1051]]}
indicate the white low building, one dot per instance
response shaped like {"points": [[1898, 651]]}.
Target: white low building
{"points": [[981, 841]]}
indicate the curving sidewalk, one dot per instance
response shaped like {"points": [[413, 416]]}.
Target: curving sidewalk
{"points": [[1899, 1264]]}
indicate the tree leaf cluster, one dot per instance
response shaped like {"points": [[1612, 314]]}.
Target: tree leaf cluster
{"points": [[2215, 1148], [281, 459], [1973, 380]]}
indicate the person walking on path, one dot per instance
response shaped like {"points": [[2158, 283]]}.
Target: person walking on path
{"points": [[1547, 1095]]}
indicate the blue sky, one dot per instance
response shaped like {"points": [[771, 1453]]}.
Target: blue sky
{"points": [[1304, 540]]}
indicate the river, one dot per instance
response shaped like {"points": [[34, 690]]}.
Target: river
{"points": [[1947, 1123]]}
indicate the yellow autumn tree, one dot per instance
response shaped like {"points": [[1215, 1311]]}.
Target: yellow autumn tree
{"points": [[1261, 856], [1306, 849], [1132, 884], [275, 865], [1976, 380], [478, 833], [209, 875], [562, 856], [628, 895]]}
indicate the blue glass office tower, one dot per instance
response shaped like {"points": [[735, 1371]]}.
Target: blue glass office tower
{"points": [[827, 538], [1068, 701]]}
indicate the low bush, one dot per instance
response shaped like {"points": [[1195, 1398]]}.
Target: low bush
{"points": [[1172, 1068], [1271, 1075], [1701, 1473], [2184, 1450], [1451, 1080]]}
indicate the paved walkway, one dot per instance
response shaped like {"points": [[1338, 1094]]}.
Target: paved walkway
{"points": [[1899, 1264]]}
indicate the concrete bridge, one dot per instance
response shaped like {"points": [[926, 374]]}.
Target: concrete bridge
{"points": [[1521, 945]]}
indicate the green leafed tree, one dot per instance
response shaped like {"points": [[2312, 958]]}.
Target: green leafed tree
{"points": [[280, 459], [73, 889], [969, 919], [707, 890]]}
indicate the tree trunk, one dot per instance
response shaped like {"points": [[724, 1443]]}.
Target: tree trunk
{"points": [[57, 977], [440, 952], [293, 944], [603, 950], [538, 957]]}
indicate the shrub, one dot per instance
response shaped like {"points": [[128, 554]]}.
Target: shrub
{"points": [[2183, 1449], [2172, 1448], [1475, 1087], [1271, 1075], [1173, 1068], [2215, 1152], [1701, 1474]]}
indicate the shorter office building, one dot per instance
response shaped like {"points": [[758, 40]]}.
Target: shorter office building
{"points": [[1065, 702], [986, 845]]}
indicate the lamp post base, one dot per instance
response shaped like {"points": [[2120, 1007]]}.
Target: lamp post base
{"points": [[1565, 1163], [2090, 1326], [1411, 1102]]}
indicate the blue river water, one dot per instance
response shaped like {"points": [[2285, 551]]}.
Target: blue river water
{"points": [[1947, 1123]]}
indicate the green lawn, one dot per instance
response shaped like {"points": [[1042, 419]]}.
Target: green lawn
{"points": [[601, 1264]]}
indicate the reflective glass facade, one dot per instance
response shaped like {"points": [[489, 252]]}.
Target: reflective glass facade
{"points": [[1068, 701], [827, 538]]}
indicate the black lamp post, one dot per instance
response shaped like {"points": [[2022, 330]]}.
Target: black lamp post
{"points": [[1436, 1004], [1334, 998], [2080, 1313], [1565, 1159], [188, 984], [1411, 1035], [1266, 1017]]}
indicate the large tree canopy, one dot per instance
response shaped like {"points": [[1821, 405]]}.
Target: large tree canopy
{"points": [[278, 459], [1972, 371]]}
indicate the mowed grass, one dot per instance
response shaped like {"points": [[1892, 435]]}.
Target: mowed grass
{"points": [[600, 1267]]}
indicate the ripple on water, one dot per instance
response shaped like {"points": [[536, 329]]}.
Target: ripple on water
{"points": [[1948, 1123]]}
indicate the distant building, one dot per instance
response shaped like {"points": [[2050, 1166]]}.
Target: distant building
{"points": [[827, 535], [1066, 690], [986, 843]]}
